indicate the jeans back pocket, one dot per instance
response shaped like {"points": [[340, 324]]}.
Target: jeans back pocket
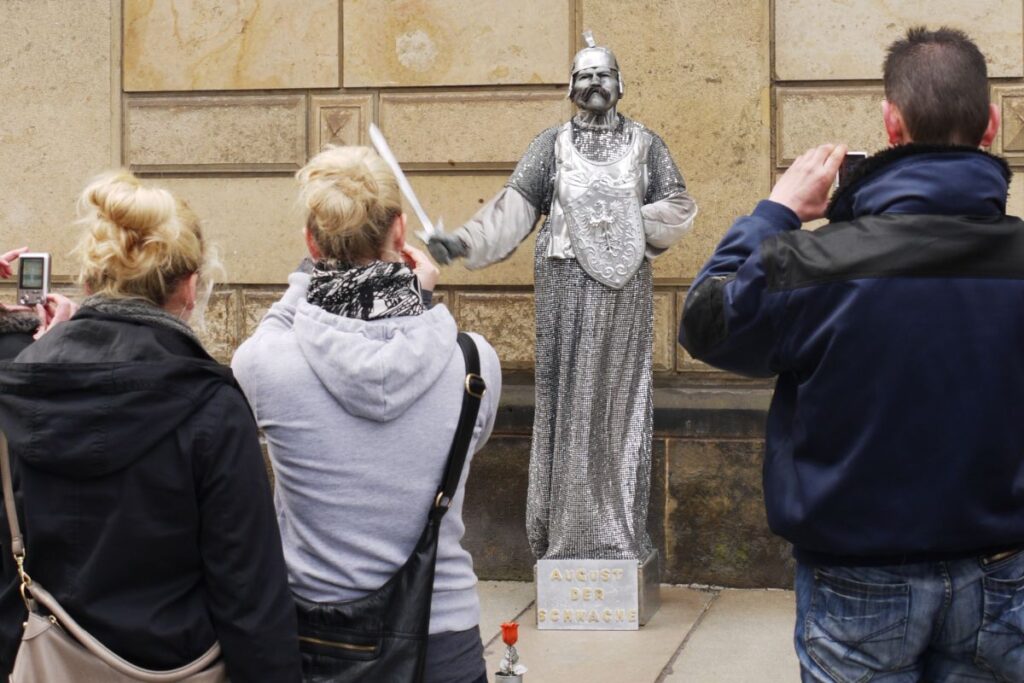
{"points": [[1001, 638], [856, 629]]}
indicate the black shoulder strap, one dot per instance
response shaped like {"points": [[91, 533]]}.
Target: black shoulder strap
{"points": [[473, 391]]}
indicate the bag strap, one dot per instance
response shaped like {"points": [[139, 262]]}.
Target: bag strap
{"points": [[17, 540], [474, 388], [31, 592]]}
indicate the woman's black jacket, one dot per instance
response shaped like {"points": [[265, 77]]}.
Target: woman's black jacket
{"points": [[146, 505], [16, 331]]}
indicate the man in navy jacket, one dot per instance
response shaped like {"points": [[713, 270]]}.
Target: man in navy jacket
{"points": [[895, 439]]}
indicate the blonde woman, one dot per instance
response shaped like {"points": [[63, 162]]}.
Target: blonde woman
{"points": [[358, 385], [146, 505]]}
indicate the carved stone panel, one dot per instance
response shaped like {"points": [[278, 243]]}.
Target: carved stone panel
{"points": [[218, 327], [452, 42], [339, 120], [664, 331], [203, 134], [849, 39], [506, 320], [807, 117], [1009, 140], [240, 45], [468, 130], [255, 304]]}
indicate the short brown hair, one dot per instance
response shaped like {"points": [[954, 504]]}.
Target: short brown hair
{"points": [[939, 82]]}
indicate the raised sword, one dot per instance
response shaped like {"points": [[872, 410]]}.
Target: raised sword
{"points": [[381, 145]]}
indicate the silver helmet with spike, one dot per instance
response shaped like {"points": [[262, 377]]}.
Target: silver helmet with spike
{"points": [[595, 56]]}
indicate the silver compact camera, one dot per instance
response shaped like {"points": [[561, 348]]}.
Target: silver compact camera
{"points": [[33, 278]]}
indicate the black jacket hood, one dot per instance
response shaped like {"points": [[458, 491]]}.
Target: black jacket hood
{"points": [[100, 391]]}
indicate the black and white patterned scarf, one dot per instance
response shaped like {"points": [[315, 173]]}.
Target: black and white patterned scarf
{"points": [[379, 290]]}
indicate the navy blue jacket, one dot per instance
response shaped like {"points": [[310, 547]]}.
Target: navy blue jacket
{"points": [[896, 432]]}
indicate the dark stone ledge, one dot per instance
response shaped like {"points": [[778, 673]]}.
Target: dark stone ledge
{"points": [[679, 412]]}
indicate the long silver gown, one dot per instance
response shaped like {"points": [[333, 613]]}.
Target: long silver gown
{"points": [[590, 462]]}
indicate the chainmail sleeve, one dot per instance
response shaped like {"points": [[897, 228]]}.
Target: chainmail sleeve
{"points": [[665, 180], [534, 177]]}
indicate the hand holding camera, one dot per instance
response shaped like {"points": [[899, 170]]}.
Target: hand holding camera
{"points": [[34, 288], [804, 187], [57, 309]]}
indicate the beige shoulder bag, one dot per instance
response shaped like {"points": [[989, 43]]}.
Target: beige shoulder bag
{"points": [[56, 648]]}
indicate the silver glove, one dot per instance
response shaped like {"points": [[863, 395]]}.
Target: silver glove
{"points": [[445, 248]]}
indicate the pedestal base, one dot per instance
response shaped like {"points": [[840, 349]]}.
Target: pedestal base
{"points": [[597, 595]]}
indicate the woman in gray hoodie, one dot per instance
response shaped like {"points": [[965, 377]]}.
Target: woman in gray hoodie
{"points": [[358, 386]]}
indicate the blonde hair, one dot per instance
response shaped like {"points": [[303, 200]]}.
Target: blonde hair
{"points": [[139, 241], [351, 198]]}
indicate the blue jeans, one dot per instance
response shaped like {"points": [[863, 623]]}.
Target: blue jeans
{"points": [[959, 620]]}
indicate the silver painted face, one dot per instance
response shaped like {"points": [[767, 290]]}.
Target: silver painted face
{"points": [[595, 89]]}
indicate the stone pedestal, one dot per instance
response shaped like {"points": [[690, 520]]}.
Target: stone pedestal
{"points": [[597, 595]]}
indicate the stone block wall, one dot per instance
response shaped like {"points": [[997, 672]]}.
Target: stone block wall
{"points": [[221, 102]]}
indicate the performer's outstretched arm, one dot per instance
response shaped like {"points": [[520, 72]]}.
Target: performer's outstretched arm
{"points": [[495, 231], [501, 224]]}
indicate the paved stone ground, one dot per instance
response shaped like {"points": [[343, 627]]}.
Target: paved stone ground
{"points": [[698, 636]]}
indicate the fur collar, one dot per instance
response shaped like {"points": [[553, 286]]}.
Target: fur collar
{"points": [[139, 309], [18, 322], [887, 157]]}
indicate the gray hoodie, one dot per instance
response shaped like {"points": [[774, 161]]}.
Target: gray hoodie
{"points": [[359, 416]]}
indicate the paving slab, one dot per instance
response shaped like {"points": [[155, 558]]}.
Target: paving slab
{"points": [[746, 635], [501, 601], [606, 656]]}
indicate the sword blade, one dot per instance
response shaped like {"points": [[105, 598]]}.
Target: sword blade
{"points": [[381, 145]]}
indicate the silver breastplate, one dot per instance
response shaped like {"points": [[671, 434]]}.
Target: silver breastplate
{"points": [[595, 212]]}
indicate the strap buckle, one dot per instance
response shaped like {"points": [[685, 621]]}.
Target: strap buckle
{"points": [[441, 501], [475, 385], [26, 581]]}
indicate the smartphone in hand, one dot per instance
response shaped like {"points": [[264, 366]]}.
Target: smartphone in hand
{"points": [[850, 162]]}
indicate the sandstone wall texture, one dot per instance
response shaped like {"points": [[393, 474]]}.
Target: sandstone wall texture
{"points": [[222, 102]]}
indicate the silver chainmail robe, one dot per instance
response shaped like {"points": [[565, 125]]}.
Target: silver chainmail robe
{"points": [[590, 459]]}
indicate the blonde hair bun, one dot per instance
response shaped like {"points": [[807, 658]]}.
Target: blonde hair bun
{"points": [[351, 198], [120, 198], [139, 241]]}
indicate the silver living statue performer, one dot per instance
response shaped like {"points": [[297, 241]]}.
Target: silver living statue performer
{"points": [[614, 199]]}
